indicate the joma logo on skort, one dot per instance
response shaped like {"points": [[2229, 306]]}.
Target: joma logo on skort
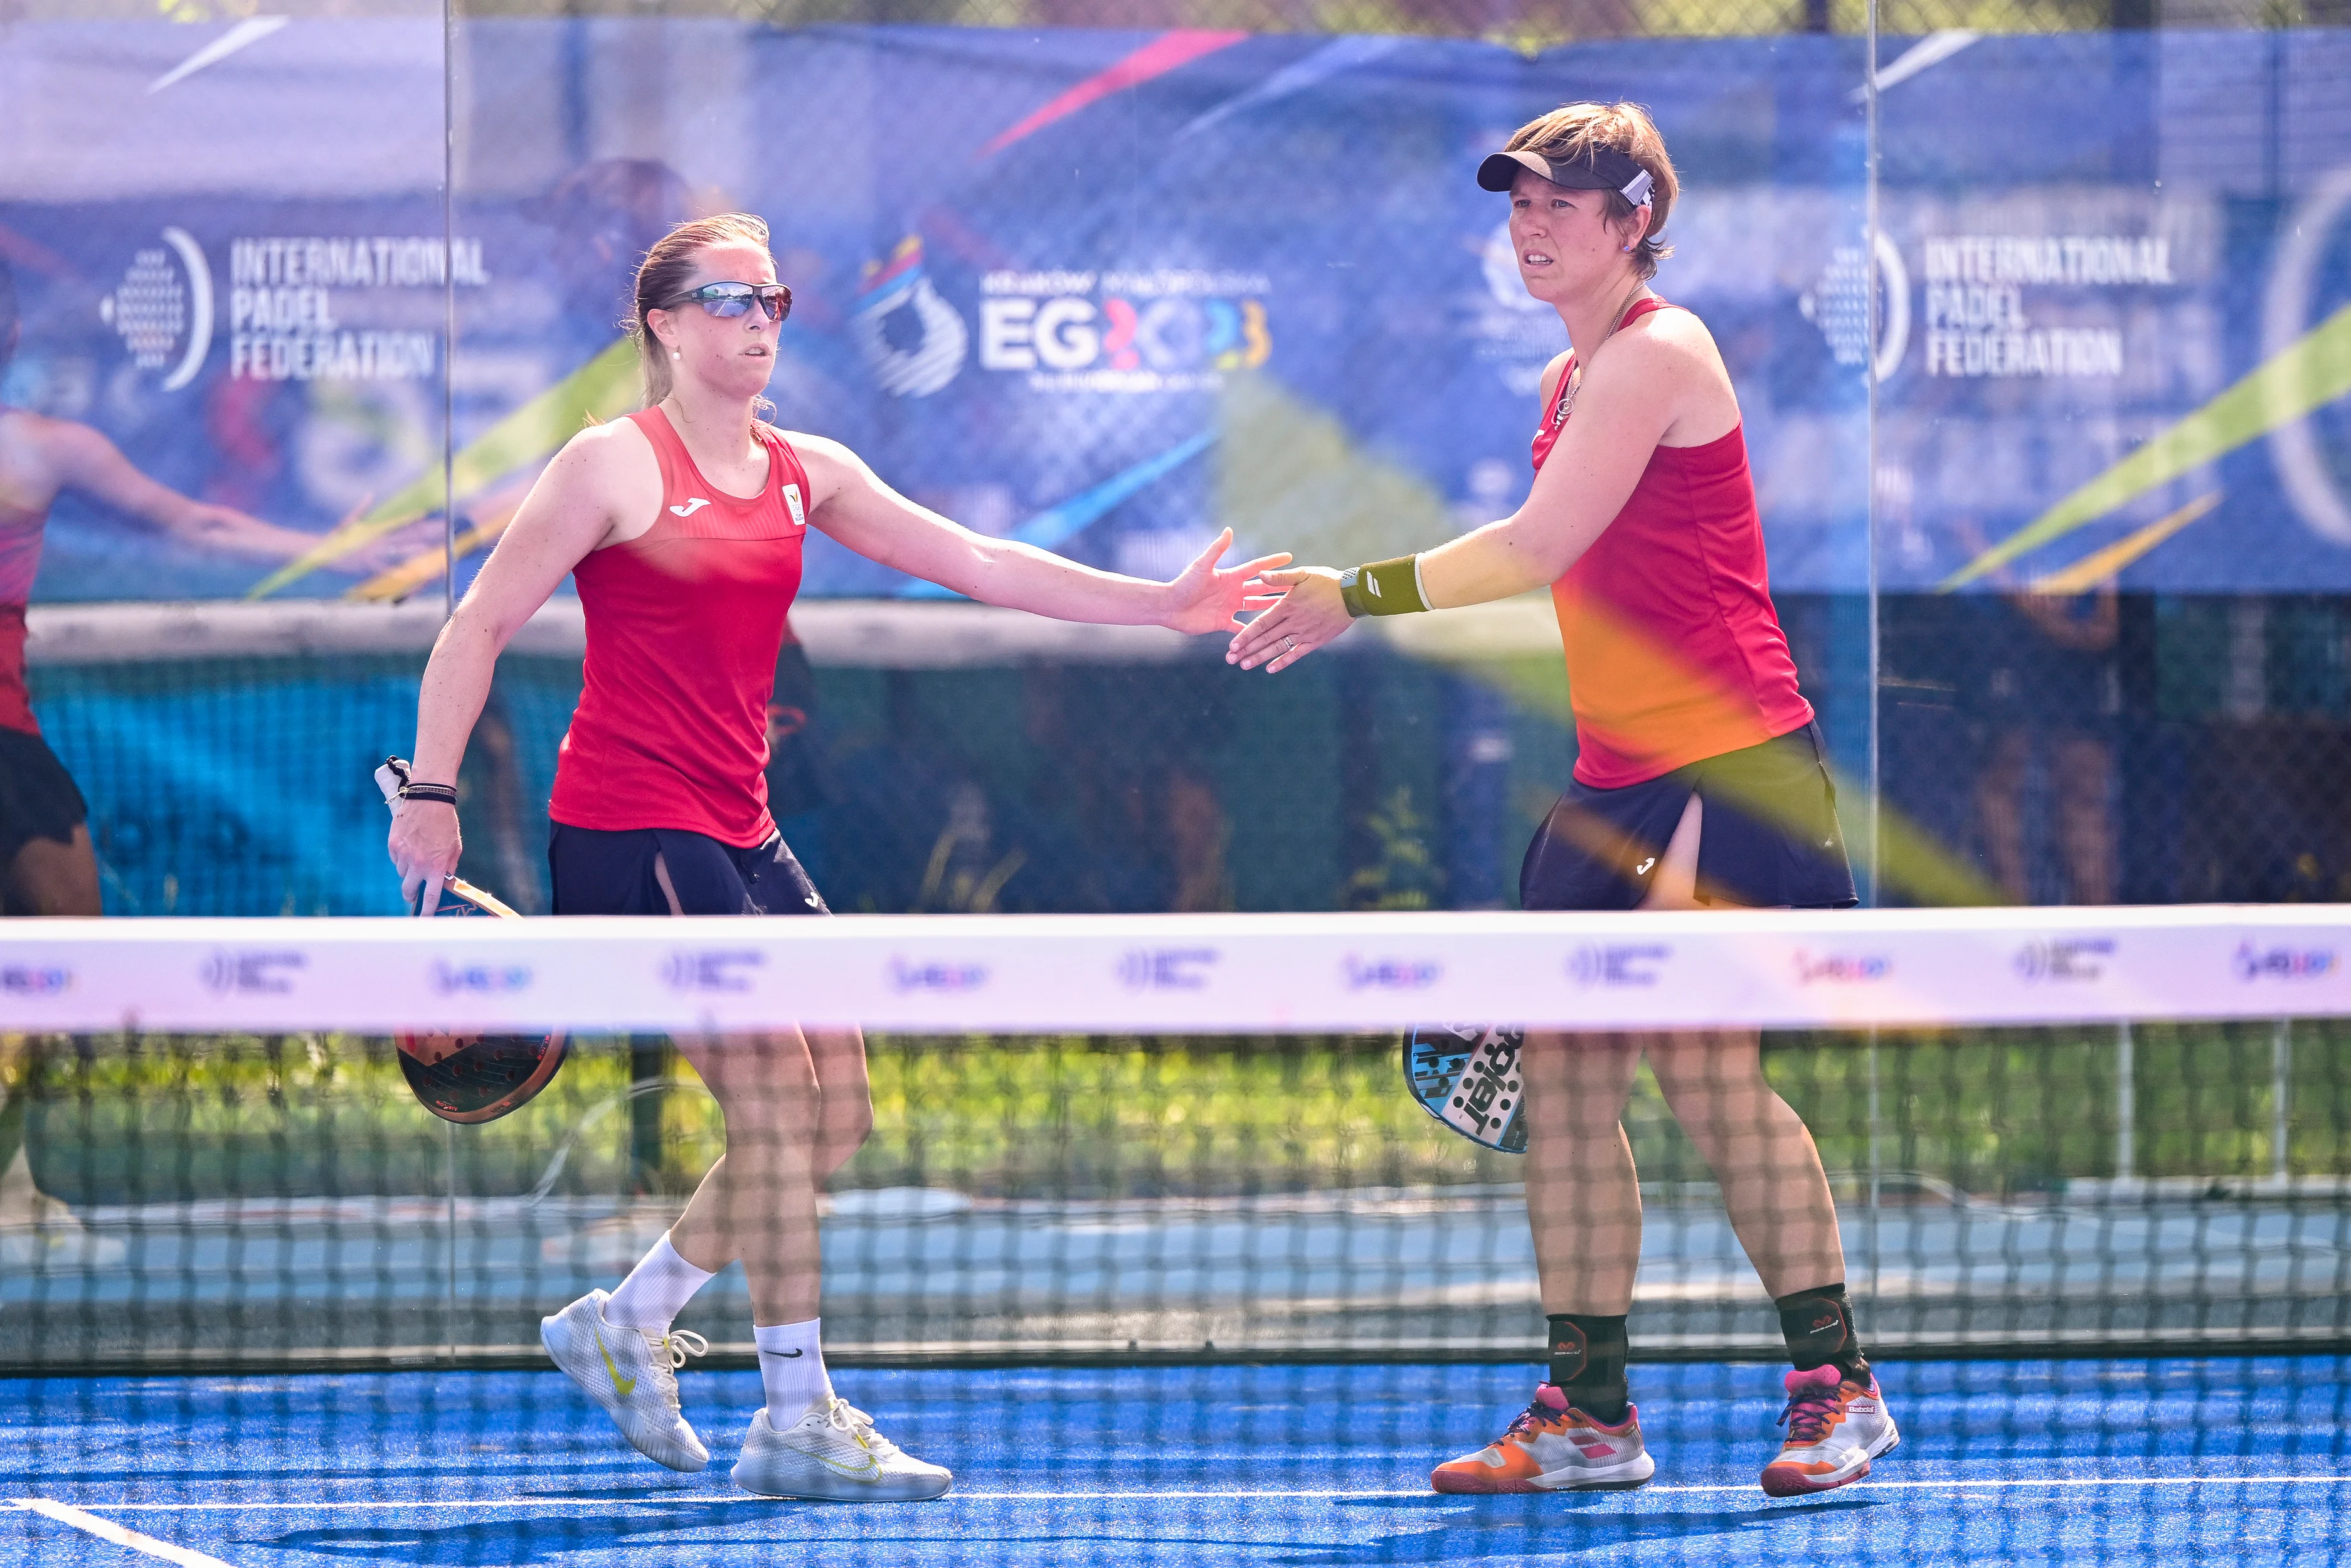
{"points": [[248, 974], [711, 971], [2253, 963], [2065, 959]]}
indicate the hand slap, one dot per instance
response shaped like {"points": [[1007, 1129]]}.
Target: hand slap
{"points": [[1209, 598], [1308, 614]]}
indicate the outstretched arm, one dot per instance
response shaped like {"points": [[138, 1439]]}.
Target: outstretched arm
{"points": [[1625, 404], [87, 461], [855, 507]]}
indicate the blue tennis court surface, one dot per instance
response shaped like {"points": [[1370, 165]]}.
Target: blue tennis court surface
{"points": [[2045, 1461]]}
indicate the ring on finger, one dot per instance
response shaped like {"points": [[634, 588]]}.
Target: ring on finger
{"points": [[1290, 644]]}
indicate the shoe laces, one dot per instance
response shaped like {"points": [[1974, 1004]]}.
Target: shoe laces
{"points": [[1536, 1414], [844, 1417], [1808, 1415], [669, 1354]]}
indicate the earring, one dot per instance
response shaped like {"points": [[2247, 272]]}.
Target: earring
{"points": [[1628, 250], [677, 353]]}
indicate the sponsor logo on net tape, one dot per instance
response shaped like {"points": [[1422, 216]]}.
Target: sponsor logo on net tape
{"points": [[711, 970], [478, 980], [2064, 959], [936, 976], [1167, 968], [228, 973], [1362, 974], [1842, 968], [1617, 964], [2250, 963], [34, 980]]}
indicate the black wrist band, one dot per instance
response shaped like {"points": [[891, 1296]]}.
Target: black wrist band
{"points": [[444, 793], [1384, 587]]}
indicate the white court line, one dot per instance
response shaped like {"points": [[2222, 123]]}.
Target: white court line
{"points": [[1952, 1485], [107, 1530]]}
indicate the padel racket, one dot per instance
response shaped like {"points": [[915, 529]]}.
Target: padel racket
{"points": [[1466, 1076], [470, 1078]]}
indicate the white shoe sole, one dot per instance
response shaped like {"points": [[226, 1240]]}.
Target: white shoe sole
{"points": [[1633, 1472], [1779, 1482], [799, 1477], [1623, 1476]]}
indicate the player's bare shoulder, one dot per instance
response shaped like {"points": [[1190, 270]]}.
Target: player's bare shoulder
{"points": [[40, 455], [832, 467], [1670, 339], [609, 466]]}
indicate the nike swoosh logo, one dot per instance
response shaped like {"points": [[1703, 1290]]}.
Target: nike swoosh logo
{"points": [[789, 1355], [872, 1468], [623, 1386]]}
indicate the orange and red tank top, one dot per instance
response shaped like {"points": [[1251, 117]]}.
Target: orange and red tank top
{"points": [[684, 623], [1674, 651]]}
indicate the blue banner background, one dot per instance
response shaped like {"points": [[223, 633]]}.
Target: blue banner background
{"points": [[1318, 346]]}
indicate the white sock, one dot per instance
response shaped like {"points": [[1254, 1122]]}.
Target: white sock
{"points": [[792, 1369], [656, 1290]]}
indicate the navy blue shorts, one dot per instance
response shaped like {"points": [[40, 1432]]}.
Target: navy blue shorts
{"points": [[37, 797], [1770, 838], [668, 870]]}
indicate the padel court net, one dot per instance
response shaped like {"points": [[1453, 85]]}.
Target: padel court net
{"points": [[1184, 1158]]}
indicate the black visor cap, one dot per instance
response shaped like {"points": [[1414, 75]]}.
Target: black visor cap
{"points": [[1604, 170]]}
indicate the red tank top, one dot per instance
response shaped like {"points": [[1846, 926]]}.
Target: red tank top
{"points": [[684, 623], [20, 562], [1674, 652]]}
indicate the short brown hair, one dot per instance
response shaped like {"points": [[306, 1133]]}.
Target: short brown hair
{"points": [[661, 278], [1569, 134]]}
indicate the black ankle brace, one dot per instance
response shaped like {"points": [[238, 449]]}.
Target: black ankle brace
{"points": [[1818, 1326], [1587, 1363]]}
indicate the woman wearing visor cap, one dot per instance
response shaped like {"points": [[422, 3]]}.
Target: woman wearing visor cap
{"points": [[1698, 781], [683, 526]]}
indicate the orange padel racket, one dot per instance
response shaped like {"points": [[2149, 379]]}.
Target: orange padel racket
{"points": [[470, 1078]]}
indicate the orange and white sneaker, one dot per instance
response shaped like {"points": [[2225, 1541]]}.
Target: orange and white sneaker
{"points": [[1553, 1446], [1835, 1426]]}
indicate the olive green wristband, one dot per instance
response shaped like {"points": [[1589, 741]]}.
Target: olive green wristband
{"points": [[1384, 587]]}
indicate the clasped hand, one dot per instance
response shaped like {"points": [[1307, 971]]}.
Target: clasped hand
{"points": [[1306, 613]]}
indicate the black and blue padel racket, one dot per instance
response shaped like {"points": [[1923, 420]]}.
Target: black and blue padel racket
{"points": [[470, 1078], [1466, 1076]]}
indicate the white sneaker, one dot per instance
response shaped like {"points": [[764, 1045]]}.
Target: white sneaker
{"points": [[833, 1453], [1835, 1426], [633, 1374]]}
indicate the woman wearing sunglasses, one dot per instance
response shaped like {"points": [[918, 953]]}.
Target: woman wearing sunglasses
{"points": [[683, 527]]}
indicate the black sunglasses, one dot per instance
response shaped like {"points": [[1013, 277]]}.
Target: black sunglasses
{"points": [[728, 300]]}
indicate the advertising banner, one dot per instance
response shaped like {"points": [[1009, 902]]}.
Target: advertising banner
{"points": [[1109, 291]]}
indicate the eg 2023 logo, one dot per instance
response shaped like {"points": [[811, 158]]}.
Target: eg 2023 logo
{"points": [[1168, 330]]}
